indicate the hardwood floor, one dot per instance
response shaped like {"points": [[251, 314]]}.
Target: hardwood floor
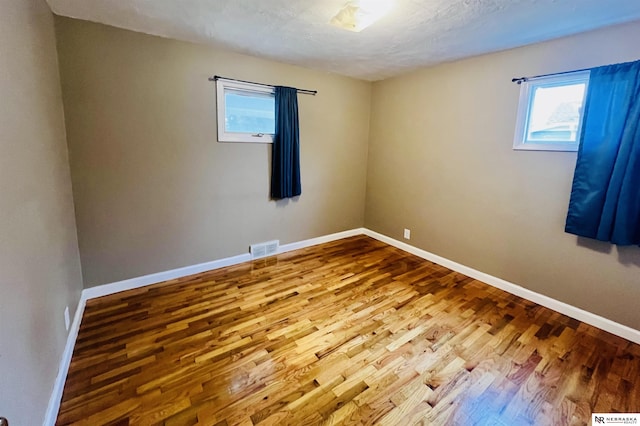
{"points": [[350, 332]]}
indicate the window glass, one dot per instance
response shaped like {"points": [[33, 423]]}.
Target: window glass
{"points": [[550, 112], [246, 112], [249, 112]]}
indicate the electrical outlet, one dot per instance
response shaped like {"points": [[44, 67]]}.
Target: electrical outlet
{"points": [[407, 234], [67, 320]]}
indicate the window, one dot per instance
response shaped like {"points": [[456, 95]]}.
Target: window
{"points": [[550, 112], [246, 112]]}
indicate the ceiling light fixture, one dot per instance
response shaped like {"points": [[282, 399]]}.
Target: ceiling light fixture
{"points": [[357, 15]]}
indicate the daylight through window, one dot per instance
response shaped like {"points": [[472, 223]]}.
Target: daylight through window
{"points": [[550, 112], [246, 112]]}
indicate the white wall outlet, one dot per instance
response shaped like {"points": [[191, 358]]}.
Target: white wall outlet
{"points": [[67, 320], [407, 234]]}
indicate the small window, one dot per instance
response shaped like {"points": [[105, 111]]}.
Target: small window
{"points": [[246, 112], [550, 112]]}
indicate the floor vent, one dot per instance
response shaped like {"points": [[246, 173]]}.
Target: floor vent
{"points": [[264, 249]]}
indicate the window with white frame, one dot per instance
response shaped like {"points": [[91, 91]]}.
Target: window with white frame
{"points": [[550, 112], [246, 112]]}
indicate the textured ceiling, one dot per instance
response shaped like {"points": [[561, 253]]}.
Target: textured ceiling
{"points": [[416, 33]]}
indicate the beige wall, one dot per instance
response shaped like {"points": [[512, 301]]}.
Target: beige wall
{"points": [[441, 164], [155, 191], [39, 262], [153, 188]]}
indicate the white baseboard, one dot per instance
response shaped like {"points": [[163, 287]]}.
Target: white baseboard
{"points": [[56, 395], [321, 240], [116, 287], [564, 308], [130, 284], [602, 323], [107, 289]]}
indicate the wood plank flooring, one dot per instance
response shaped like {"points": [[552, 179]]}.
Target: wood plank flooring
{"points": [[345, 333]]}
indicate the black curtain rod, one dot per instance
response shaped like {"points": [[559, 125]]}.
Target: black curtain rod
{"points": [[521, 80], [303, 91]]}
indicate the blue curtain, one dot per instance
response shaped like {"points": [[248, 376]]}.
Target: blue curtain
{"points": [[285, 170], [605, 197]]}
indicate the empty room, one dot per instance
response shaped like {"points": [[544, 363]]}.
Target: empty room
{"points": [[393, 212]]}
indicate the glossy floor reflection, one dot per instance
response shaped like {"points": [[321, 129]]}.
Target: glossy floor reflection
{"points": [[349, 332]]}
